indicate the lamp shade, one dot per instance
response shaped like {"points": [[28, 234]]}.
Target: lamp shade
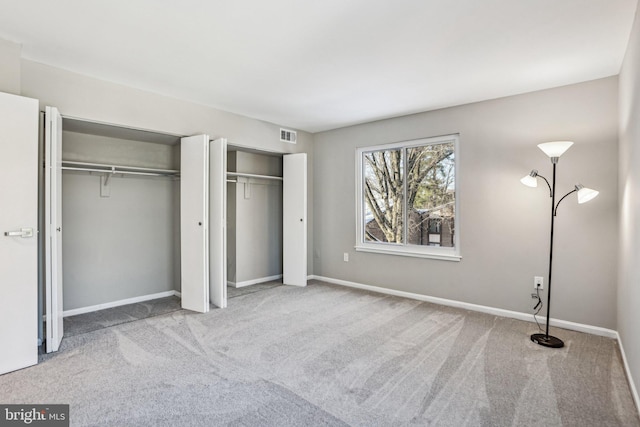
{"points": [[555, 148], [585, 194], [530, 180]]}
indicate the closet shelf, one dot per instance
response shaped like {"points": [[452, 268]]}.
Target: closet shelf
{"points": [[253, 175], [116, 169]]}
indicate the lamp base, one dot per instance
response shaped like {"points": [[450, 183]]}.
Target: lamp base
{"points": [[547, 340]]}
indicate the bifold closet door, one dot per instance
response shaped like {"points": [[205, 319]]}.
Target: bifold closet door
{"points": [[53, 228], [194, 222], [218, 222], [294, 219], [18, 232]]}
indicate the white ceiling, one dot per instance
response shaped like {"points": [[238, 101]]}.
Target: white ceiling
{"points": [[321, 64]]}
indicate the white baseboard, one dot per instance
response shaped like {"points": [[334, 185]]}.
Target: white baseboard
{"points": [[254, 281], [632, 384], [112, 304], [595, 330]]}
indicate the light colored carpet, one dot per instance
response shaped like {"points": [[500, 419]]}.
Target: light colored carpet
{"points": [[328, 355]]}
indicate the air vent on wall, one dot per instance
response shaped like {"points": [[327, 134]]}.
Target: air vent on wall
{"points": [[287, 135]]}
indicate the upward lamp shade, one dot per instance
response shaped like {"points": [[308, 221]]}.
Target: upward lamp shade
{"points": [[555, 148]]}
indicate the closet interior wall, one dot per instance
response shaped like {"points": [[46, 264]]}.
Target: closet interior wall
{"points": [[254, 219], [126, 244]]}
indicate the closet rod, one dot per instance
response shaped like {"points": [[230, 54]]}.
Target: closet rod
{"points": [[252, 175], [109, 168], [114, 172]]}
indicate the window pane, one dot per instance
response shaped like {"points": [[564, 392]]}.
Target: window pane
{"points": [[431, 195], [383, 196]]}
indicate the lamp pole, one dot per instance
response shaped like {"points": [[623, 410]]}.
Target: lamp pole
{"points": [[546, 339], [553, 216]]}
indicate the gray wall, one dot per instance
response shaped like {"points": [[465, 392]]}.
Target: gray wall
{"points": [[10, 67], [254, 236], [504, 225], [629, 194], [122, 246], [80, 96]]}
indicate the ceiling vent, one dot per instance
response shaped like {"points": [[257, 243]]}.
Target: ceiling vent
{"points": [[287, 135]]}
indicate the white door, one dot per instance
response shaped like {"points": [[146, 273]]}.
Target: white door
{"points": [[294, 213], [194, 222], [218, 222], [53, 228], [18, 228]]}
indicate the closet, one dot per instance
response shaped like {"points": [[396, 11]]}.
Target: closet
{"points": [[121, 219], [235, 173], [294, 216], [133, 214], [120, 199], [105, 214], [254, 217]]}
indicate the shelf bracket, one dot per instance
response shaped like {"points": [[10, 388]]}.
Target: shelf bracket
{"points": [[105, 190], [106, 180], [247, 187]]}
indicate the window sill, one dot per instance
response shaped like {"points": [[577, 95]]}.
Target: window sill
{"points": [[404, 251]]}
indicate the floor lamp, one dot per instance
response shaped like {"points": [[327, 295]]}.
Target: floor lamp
{"points": [[554, 150]]}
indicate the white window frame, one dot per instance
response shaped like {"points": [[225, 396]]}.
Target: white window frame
{"points": [[433, 252]]}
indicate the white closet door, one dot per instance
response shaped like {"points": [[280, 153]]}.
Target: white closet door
{"points": [[194, 222], [18, 230], [218, 222], [294, 213], [53, 229]]}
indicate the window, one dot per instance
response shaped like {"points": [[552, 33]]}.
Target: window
{"points": [[407, 198]]}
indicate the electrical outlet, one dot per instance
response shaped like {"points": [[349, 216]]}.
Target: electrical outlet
{"points": [[346, 257], [538, 282]]}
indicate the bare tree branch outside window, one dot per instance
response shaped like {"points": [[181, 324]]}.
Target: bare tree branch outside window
{"points": [[415, 185]]}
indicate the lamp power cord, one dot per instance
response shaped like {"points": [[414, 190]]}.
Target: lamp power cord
{"points": [[537, 307]]}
